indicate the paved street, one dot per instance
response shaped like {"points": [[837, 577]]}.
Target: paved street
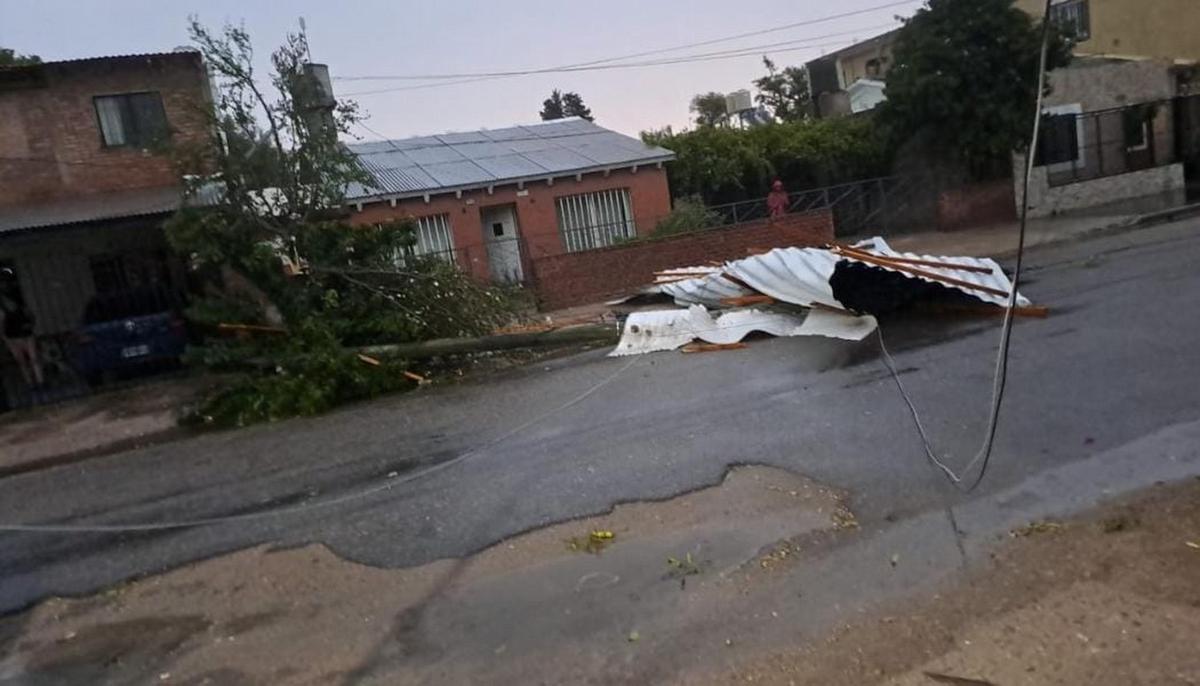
{"points": [[1112, 372]]}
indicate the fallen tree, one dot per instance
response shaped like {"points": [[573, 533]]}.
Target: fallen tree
{"points": [[268, 239], [458, 346]]}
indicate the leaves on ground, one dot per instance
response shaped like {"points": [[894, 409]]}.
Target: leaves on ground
{"points": [[594, 543], [1040, 527]]}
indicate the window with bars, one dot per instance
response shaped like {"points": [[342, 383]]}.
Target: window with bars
{"points": [[1072, 16], [595, 220], [434, 238], [133, 119]]}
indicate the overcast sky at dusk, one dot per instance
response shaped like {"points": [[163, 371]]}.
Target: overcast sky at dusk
{"points": [[389, 37]]}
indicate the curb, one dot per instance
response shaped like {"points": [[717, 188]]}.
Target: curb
{"points": [[1165, 216]]}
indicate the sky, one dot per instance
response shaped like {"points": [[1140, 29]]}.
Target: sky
{"points": [[359, 38]]}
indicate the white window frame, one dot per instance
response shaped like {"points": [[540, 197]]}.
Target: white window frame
{"points": [[587, 221]]}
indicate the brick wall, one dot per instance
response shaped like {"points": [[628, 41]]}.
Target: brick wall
{"points": [[48, 118], [537, 218], [976, 205], [571, 279]]}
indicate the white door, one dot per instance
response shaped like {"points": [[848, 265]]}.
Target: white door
{"points": [[503, 245]]}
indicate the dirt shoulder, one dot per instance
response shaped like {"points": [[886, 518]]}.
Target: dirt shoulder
{"points": [[1109, 598]]}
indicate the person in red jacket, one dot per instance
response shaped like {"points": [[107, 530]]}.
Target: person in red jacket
{"points": [[777, 200]]}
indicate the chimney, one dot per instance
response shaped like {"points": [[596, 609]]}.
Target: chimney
{"points": [[319, 103]]}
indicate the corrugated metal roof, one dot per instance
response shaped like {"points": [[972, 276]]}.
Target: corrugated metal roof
{"points": [[90, 208], [456, 161]]}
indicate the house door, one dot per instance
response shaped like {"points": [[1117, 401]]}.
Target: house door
{"points": [[503, 243]]}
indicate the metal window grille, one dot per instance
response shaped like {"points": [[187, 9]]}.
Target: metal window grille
{"points": [[1091, 145], [434, 239], [1073, 16], [595, 220]]}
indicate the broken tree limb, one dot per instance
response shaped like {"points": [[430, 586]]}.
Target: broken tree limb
{"points": [[459, 346]]}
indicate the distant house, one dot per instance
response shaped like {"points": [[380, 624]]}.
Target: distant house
{"points": [[493, 200], [851, 79], [1159, 29], [83, 186], [1122, 121]]}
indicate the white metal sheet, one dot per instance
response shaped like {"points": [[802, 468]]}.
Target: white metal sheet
{"points": [[660, 330]]}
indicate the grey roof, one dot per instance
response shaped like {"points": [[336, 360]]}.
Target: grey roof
{"points": [[476, 159], [85, 208]]}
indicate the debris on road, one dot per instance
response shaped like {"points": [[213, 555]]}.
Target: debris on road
{"points": [[1036, 528], [682, 569], [594, 543], [959, 680], [711, 347], [834, 292]]}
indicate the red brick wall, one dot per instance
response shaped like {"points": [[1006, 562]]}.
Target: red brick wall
{"points": [[52, 120], [976, 205], [585, 277], [537, 218]]}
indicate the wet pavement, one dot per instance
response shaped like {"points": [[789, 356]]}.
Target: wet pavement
{"points": [[1112, 365]]}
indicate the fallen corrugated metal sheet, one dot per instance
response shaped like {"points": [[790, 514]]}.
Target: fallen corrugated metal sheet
{"points": [[660, 330], [843, 285]]}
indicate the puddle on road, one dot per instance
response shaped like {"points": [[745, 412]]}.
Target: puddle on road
{"points": [[307, 616]]}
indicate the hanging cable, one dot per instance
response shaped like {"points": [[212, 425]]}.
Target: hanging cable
{"points": [[1000, 375]]}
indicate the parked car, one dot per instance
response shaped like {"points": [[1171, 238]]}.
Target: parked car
{"points": [[126, 330]]}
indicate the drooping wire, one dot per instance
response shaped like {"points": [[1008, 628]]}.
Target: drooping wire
{"points": [[1000, 376], [388, 483]]}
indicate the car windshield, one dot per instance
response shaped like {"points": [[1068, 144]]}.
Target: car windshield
{"points": [[127, 305]]}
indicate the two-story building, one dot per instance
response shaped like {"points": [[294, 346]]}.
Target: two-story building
{"points": [[851, 80], [85, 181], [1121, 121]]}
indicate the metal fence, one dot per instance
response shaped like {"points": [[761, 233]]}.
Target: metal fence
{"points": [[879, 204], [1074, 147]]}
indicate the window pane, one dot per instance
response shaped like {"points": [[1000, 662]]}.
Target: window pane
{"points": [[112, 128], [1059, 139], [148, 122]]}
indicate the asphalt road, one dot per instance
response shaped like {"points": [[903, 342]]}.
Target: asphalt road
{"points": [[1115, 363]]}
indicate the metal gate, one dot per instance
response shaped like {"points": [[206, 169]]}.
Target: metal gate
{"points": [[1187, 141]]}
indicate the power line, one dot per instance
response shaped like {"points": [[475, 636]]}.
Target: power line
{"points": [[602, 64], [644, 53], [723, 55], [388, 483], [1000, 376]]}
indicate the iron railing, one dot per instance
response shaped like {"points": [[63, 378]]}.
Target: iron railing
{"points": [[1075, 147]]}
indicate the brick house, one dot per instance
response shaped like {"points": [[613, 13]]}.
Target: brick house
{"points": [[496, 200], [83, 187]]}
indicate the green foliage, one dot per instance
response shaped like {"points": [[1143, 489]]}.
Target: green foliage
{"points": [[311, 373], [688, 214], [964, 74], [722, 165], [784, 92], [10, 58], [560, 105], [709, 109], [273, 195]]}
